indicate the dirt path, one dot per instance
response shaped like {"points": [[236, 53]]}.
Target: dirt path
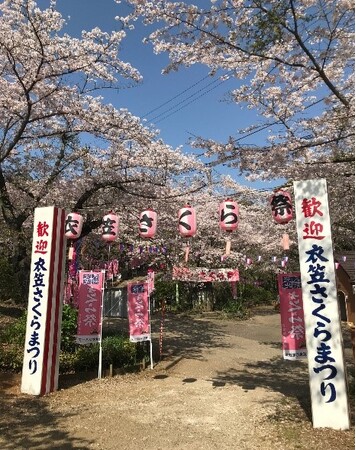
{"points": [[221, 385]]}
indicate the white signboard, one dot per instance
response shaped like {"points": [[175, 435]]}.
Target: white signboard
{"points": [[327, 377], [44, 313]]}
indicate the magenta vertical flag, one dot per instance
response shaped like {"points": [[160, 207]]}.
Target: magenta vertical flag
{"points": [[292, 316], [90, 306], [138, 312]]}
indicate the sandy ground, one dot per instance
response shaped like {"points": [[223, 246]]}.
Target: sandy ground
{"points": [[221, 384]]}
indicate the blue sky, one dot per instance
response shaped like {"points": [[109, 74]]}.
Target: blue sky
{"points": [[201, 111]]}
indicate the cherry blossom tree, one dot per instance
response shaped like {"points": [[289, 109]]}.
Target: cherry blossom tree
{"points": [[60, 143], [293, 62], [257, 234]]}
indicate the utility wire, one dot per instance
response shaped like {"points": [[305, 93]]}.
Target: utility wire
{"points": [[187, 104], [176, 96], [184, 100]]}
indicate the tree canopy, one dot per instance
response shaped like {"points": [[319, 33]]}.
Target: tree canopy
{"points": [[293, 62], [62, 144]]}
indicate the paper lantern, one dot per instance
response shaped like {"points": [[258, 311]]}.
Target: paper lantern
{"points": [[110, 227], [281, 204], [228, 215], [187, 224], [73, 226], [148, 223]]}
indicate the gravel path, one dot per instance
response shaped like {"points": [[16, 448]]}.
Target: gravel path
{"points": [[221, 385]]}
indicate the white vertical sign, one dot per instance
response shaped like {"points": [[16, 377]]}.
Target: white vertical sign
{"points": [[45, 300], [327, 376]]}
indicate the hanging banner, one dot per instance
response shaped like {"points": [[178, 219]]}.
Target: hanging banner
{"points": [[202, 275], [138, 312], [327, 376], [90, 306], [44, 313], [292, 317]]}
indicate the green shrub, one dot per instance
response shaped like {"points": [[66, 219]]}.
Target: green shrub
{"points": [[15, 332], [222, 295], [256, 295], [86, 358], [248, 296], [69, 328], [68, 362], [166, 290], [116, 350], [11, 357], [236, 308], [12, 286]]}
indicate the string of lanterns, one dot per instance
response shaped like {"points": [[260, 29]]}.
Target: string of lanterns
{"points": [[187, 222], [281, 205], [281, 208]]}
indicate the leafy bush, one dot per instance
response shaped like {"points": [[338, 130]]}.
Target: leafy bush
{"points": [[12, 286], [12, 341], [222, 295], [221, 292], [85, 358], [256, 295], [69, 328], [117, 350], [68, 362], [165, 290], [225, 302], [236, 308], [11, 357], [15, 332]]}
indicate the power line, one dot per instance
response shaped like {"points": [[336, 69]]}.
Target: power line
{"points": [[183, 101], [176, 96], [187, 104]]}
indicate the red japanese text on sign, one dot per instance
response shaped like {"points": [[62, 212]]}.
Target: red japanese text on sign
{"points": [[313, 229]]}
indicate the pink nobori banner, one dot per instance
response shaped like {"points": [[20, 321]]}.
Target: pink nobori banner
{"points": [[90, 306], [292, 316], [138, 311]]}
